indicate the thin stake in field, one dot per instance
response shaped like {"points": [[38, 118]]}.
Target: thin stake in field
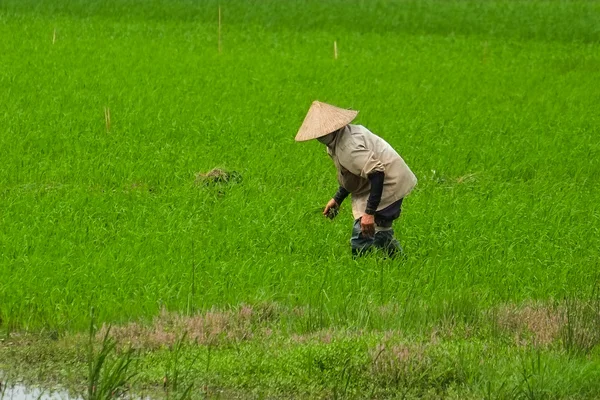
{"points": [[335, 51], [484, 57], [107, 118], [219, 29], [54, 36]]}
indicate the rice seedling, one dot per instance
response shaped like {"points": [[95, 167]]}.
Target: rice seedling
{"points": [[176, 374], [109, 374]]}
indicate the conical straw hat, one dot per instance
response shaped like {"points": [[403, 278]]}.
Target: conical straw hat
{"points": [[322, 119]]}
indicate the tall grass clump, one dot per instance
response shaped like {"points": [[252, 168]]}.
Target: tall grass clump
{"points": [[177, 375], [109, 373], [581, 324]]}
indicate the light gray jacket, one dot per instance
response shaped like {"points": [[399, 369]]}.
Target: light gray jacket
{"points": [[356, 152]]}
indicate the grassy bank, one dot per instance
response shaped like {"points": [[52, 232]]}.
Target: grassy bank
{"points": [[492, 104], [530, 351]]}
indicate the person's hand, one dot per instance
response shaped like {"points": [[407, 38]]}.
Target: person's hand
{"points": [[367, 225], [331, 205]]}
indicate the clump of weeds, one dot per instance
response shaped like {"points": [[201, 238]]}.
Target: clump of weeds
{"points": [[109, 373], [581, 324], [217, 176], [177, 376]]}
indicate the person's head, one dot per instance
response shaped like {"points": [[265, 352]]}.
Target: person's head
{"points": [[322, 121], [327, 139]]}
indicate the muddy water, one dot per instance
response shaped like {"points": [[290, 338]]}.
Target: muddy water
{"points": [[20, 392]]}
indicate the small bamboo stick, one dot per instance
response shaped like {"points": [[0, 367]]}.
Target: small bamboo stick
{"points": [[54, 36], [107, 118], [335, 51]]}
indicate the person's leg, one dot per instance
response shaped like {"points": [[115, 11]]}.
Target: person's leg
{"points": [[384, 239], [384, 232], [359, 243]]}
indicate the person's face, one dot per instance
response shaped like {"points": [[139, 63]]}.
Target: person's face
{"points": [[327, 139]]}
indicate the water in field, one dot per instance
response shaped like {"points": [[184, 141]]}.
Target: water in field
{"points": [[21, 392]]}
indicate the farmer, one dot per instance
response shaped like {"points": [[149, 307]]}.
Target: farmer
{"points": [[368, 168]]}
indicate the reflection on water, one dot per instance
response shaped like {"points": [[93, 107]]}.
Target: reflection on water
{"points": [[20, 392]]}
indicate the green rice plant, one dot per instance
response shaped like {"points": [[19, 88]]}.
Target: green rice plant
{"points": [[177, 375], [3, 387], [109, 374], [533, 384]]}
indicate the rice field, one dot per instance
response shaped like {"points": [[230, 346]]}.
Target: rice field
{"points": [[114, 112]]}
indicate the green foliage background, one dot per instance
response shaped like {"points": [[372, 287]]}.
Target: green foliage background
{"points": [[493, 104]]}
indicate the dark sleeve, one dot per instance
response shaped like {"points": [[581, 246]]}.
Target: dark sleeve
{"points": [[376, 179], [340, 195]]}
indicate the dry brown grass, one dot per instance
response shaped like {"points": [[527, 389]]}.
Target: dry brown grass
{"points": [[398, 364], [538, 324], [572, 323], [531, 324], [212, 327], [386, 355]]}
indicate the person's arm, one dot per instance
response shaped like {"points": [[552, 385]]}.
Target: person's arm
{"points": [[376, 178], [333, 204], [340, 195]]}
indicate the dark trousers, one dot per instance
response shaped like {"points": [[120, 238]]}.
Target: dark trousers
{"points": [[383, 240]]}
